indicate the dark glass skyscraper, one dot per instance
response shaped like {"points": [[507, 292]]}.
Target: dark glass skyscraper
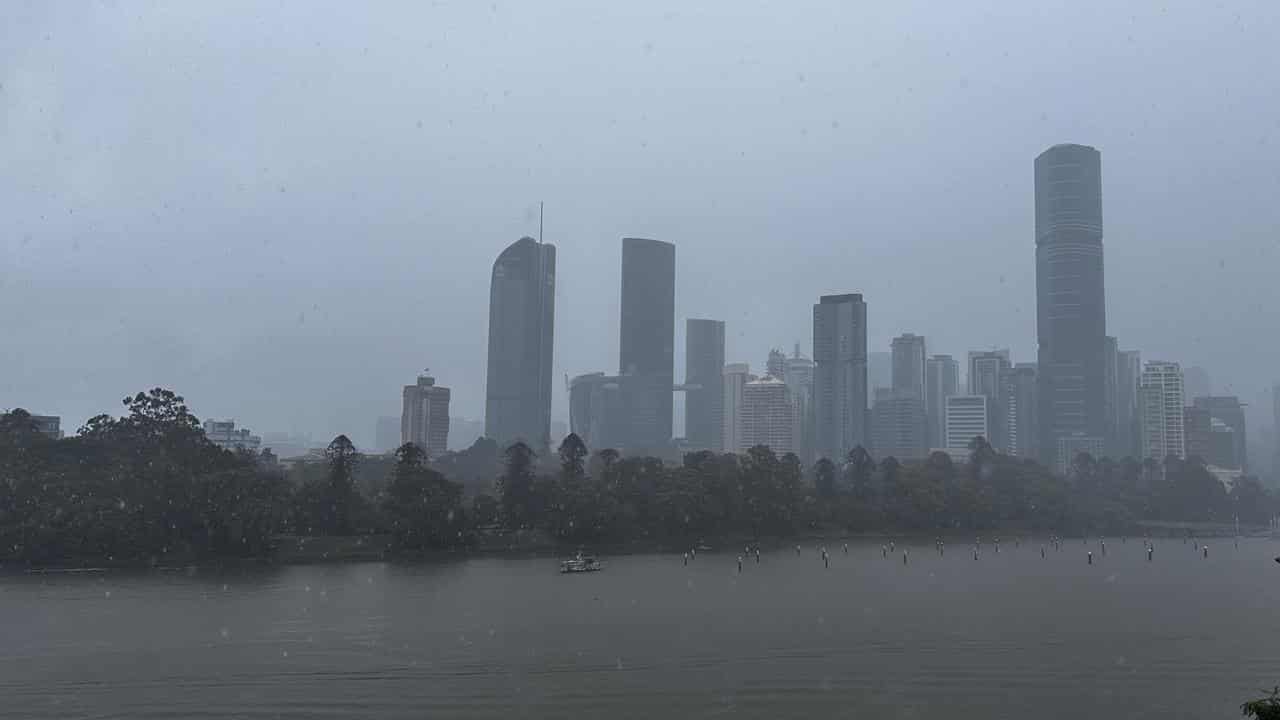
{"points": [[840, 375], [647, 339], [703, 365], [1071, 325], [521, 328]]}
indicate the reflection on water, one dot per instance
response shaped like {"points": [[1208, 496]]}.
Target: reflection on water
{"points": [[1006, 634]]}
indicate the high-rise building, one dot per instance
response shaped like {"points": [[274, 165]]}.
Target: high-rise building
{"points": [[987, 369], [966, 419], [1227, 411], [735, 377], [840, 374], [1071, 446], [799, 379], [768, 416], [1020, 403], [1071, 320], [1128, 380], [48, 425], [1110, 380], [1162, 402], [1195, 380], [899, 426], [386, 434], [776, 365], [942, 380], [704, 399], [522, 293], [879, 372], [908, 357], [647, 340], [597, 411], [424, 419], [904, 411]]}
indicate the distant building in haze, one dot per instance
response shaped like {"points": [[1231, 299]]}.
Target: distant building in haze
{"points": [[386, 434], [1127, 424], [1162, 400], [596, 410], [48, 425], [424, 418], [1071, 324], [966, 419], [879, 372], [776, 364], [647, 340], [799, 378], [521, 336], [1071, 446], [703, 369], [840, 374], [227, 436], [942, 380], [768, 416], [1020, 402], [899, 426], [464, 432], [987, 369], [1229, 412], [1196, 381], [734, 379]]}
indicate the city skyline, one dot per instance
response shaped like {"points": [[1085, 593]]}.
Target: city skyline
{"points": [[238, 282]]}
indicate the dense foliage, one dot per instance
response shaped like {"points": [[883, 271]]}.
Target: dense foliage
{"points": [[150, 486]]}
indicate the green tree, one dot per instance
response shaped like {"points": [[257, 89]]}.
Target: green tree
{"points": [[424, 509]]}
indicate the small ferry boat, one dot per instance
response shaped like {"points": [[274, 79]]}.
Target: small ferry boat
{"points": [[580, 563]]}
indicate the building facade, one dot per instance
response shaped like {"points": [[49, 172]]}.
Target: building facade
{"points": [[704, 398], [1021, 405], [899, 426], [840, 374], [227, 436], [646, 346], [768, 416], [1071, 324], [942, 380], [1127, 423], [735, 377], [521, 336], [424, 417], [966, 419], [1162, 401], [799, 379], [1227, 411], [987, 369]]}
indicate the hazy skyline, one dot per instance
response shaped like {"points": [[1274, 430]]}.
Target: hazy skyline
{"points": [[285, 213]]}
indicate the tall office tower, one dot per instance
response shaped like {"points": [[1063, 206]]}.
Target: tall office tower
{"points": [[768, 416], [908, 357], [735, 377], [1110, 380], [776, 365], [1162, 402], [386, 434], [1228, 411], [647, 339], [966, 419], [909, 410], [1071, 322], [799, 379], [1196, 381], [879, 371], [703, 366], [899, 425], [942, 380], [986, 370], [424, 419], [1021, 407], [840, 374], [1128, 379], [522, 295]]}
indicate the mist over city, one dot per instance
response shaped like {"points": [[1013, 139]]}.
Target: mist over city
{"points": [[741, 358]]}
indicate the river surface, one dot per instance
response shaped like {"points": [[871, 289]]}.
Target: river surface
{"points": [[1007, 635]]}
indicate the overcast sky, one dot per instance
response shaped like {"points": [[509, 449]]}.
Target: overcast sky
{"points": [[284, 211]]}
